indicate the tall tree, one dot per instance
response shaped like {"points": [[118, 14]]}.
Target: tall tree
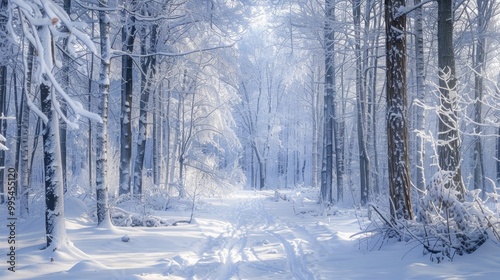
{"points": [[36, 20], [327, 165], [420, 114], [24, 170], [449, 147], [3, 85], [128, 38], [484, 14], [148, 74], [65, 84], [397, 128], [102, 110], [364, 157]]}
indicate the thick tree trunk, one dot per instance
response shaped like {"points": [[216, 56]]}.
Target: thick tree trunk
{"points": [[103, 214], [450, 143], [397, 128], [54, 197]]}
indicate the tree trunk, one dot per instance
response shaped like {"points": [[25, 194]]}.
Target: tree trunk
{"points": [[364, 160], [103, 214], [128, 37], [498, 155], [54, 197], [314, 130], [450, 148], [397, 129], [24, 169], [3, 89], [65, 84], [420, 113], [157, 138], [484, 15], [148, 74], [327, 164]]}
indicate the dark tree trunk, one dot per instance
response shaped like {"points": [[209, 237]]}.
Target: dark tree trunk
{"points": [[148, 74], [450, 148], [397, 128], [128, 37]]}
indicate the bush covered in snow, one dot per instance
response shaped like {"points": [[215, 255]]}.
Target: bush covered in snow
{"points": [[446, 223]]}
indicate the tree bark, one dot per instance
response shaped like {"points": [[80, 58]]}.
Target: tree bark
{"points": [[3, 87], [103, 214], [420, 113], [128, 38], [24, 169], [364, 158], [54, 197], [327, 164], [397, 128], [65, 84], [449, 148], [483, 18], [148, 74]]}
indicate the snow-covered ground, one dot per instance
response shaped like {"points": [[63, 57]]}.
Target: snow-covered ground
{"points": [[248, 235]]}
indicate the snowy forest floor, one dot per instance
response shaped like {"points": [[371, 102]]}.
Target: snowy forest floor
{"points": [[247, 235]]}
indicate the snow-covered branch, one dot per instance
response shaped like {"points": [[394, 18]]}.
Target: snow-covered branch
{"points": [[41, 24], [117, 53], [406, 10]]}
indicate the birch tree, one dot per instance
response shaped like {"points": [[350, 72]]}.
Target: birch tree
{"points": [[102, 110], [41, 23], [420, 89]]}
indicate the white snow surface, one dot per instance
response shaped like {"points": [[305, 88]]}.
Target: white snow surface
{"points": [[247, 235]]}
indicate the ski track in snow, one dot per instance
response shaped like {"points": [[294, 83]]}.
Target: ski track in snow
{"points": [[247, 236], [231, 256]]}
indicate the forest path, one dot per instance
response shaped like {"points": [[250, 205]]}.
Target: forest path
{"points": [[263, 240]]}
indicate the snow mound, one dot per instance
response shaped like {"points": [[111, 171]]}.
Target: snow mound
{"points": [[74, 207], [87, 265]]}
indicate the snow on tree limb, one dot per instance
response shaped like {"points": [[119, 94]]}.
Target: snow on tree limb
{"points": [[34, 14]]}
